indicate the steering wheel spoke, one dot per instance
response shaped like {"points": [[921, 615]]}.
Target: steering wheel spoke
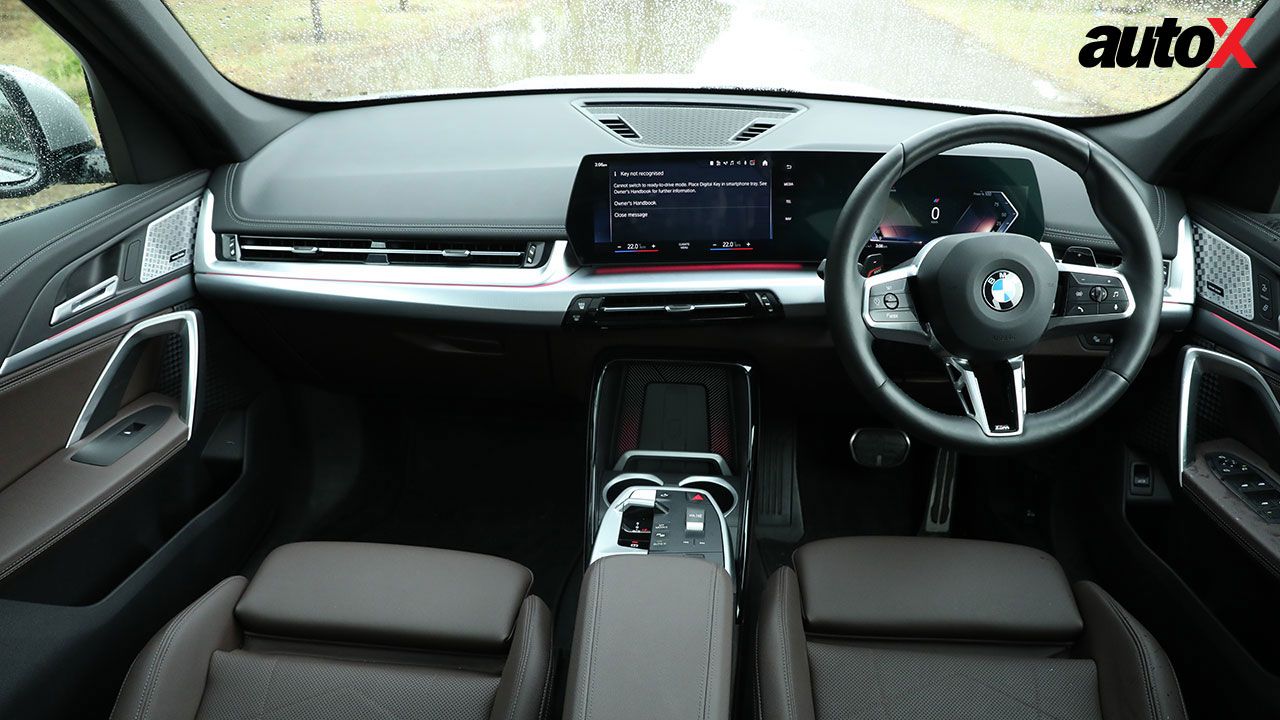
{"points": [[888, 308], [1090, 298], [993, 394]]}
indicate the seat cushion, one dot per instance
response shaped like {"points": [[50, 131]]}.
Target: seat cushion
{"points": [[392, 595], [871, 683], [939, 628], [934, 588], [342, 630], [246, 685]]}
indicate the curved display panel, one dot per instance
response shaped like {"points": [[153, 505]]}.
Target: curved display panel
{"points": [[744, 206]]}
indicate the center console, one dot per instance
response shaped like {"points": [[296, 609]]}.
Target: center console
{"points": [[671, 458]]}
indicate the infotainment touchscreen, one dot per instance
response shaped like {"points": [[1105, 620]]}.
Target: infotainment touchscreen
{"points": [[691, 206], [783, 206]]}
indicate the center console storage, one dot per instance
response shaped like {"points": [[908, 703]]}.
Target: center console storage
{"points": [[671, 459], [653, 639]]}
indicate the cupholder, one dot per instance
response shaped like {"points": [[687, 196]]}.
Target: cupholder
{"points": [[618, 485], [720, 490]]}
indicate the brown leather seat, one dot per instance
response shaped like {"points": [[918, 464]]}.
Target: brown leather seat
{"points": [[938, 628], [350, 630]]}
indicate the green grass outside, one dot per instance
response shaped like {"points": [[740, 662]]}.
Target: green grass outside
{"points": [[1046, 37]]}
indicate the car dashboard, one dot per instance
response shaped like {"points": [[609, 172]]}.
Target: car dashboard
{"points": [[597, 211]]}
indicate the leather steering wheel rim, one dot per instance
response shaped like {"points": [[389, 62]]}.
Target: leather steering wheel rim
{"points": [[1117, 204]]}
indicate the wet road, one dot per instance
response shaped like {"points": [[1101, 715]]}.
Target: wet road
{"points": [[868, 47]]}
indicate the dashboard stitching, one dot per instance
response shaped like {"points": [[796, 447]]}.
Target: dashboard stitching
{"points": [[1075, 233], [1261, 227], [1160, 214], [11, 271], [230, 197]]}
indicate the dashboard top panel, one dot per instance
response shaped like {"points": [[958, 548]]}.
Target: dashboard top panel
{"points": [[494, 166]]}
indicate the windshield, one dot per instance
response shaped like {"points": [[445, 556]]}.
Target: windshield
{"points": [[1002, 54]]}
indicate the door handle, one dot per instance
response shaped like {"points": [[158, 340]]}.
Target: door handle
{"points": [[86, 299]]}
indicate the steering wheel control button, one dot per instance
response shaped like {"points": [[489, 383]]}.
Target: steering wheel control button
{"points": [[1098, 294], [1076, 255], [1091, 279], [1081, 309], [901, 315], [890, 301], [1003, 290], [1097, 341], [892, 286]]}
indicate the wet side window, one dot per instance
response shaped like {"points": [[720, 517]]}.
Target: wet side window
{"points": [[50, 148]]}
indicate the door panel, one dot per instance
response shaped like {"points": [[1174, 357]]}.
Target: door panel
{"points": [[123, 493], [39, 404], [97, 392]]}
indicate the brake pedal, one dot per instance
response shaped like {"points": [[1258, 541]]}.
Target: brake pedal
{"points": [[942, 490], [879, 447]]}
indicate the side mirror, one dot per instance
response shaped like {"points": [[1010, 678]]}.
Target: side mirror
{"points": [[44, 140]]}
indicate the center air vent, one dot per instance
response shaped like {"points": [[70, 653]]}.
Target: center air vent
{"points": [[619, 127], [753, 131], [506, 253], [686, 125], [671, 308]]}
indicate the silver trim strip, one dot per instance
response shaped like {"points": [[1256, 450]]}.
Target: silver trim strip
{"points": [[1196, 362], [542, 295], [164, 295], [651, 479], [970, 392], [314, 249], [187, 325], [671, 455], [86, 299]]}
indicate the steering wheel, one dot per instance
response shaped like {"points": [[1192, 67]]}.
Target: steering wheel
{"points": [[980, 301]]}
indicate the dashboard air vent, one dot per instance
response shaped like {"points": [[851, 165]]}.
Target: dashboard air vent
{"points": [[753, 131], [672, 308], [619, 127], [506, 253], [674, 124]]}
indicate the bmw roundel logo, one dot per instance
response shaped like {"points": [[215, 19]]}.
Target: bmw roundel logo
{"points": [[1002, 290]]}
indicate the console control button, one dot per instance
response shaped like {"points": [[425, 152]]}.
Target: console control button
{"points": [[695, 520]]}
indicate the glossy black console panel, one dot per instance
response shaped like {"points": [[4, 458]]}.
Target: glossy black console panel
{"points": [[684, 429]]}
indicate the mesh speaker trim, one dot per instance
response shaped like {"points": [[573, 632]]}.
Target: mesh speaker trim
{"points": [[688, 125], [1224, 272], [170, 241]]}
